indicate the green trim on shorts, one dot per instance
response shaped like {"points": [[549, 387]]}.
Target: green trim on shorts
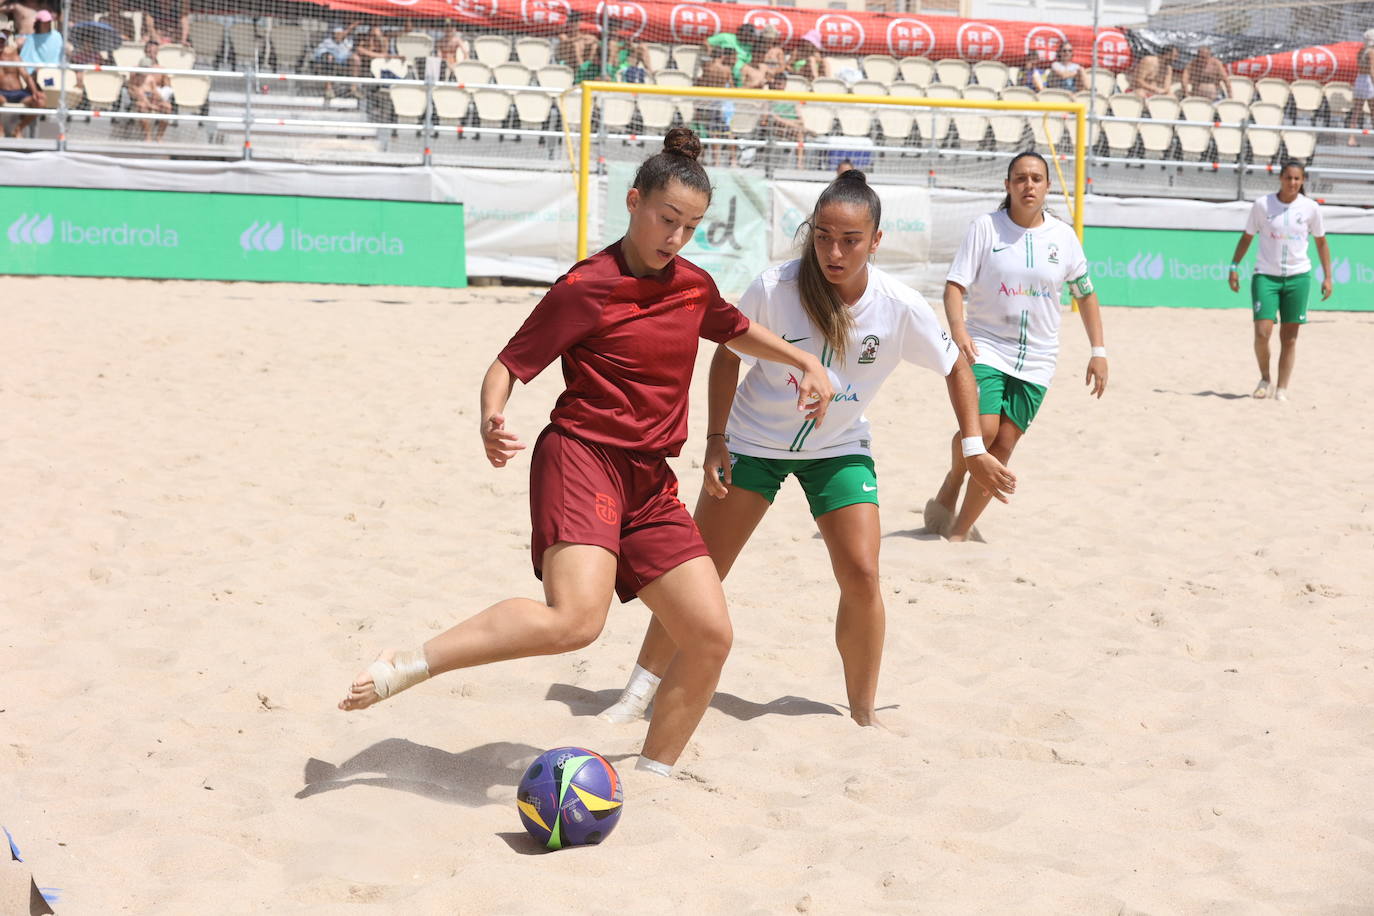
{"points": [[1000, 394], [1284, 298], [829, 483]]}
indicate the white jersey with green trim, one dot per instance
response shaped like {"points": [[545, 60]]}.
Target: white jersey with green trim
{"points": [[892, 322], [1013, 277], [1282, 230]]}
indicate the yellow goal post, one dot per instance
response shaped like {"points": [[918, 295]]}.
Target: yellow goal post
{"points": [[591, 88]]}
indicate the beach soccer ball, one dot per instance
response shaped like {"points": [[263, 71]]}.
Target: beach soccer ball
{"points": [[570, 796]]}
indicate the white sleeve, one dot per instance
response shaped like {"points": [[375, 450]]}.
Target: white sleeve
{"points": [[751, 304], [1315, 225], [1258, 217], [1076, 265], [969, 259], [924, 342]]}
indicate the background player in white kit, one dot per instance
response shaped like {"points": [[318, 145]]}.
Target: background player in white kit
{"points": [[1012, 265], [1283, 275], [861, 323]]}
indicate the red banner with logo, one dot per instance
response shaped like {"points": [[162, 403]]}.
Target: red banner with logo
{"points": [[855, 33], [1321, 62]]}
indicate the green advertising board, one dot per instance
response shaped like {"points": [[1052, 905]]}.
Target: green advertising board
{"points": [[1187, 268], [191, 236]]}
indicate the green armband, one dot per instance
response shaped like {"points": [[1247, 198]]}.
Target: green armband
{"points": [[1081, 288]]}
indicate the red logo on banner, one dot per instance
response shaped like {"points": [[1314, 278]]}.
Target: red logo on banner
{"points": [[979, 41], [1113, 50], [1045, 40], [1255, 67], [840, 32], [691, 23], [762, 19], [544, 12], [1314, 64], [624, 15], [474, 9], [909, 38]]}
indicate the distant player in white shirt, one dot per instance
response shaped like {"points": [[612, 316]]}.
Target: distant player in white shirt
{"points": [[1282, 282], [861, 323], [1012, 266]]}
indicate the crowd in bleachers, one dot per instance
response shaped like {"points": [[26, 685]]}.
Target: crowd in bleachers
{"points": [[1163, 108]]}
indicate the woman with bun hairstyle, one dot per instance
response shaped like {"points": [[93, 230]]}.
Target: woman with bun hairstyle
{"points": [[1010, 270], [603, 501], [860, 323]]}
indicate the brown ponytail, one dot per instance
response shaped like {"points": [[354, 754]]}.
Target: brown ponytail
{"points": [[678, 159], [819, 297]]}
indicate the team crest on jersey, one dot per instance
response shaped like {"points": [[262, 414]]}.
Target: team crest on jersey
{"points": [[1054, 253], [606, 509], [869, 351]]}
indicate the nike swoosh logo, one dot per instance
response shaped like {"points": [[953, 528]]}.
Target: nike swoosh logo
{"points": [[868, 489], [1003, 248], [794, 340]]}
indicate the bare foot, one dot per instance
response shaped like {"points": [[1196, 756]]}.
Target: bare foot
{"points": [[363, 693]]}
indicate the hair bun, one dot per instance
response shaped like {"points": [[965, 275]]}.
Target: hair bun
{"points": [[852, 175], [683, 141]]}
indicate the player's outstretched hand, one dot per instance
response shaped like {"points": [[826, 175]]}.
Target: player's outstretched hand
{"points": [[992, 475], [500, 443], [814, 393], [716, 467], [1097, 375], [1234, 280]]}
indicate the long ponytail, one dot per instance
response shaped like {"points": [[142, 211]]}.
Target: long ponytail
{"points": [[819, 297]]}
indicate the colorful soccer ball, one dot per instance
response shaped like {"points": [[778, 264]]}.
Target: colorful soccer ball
{"points": [[570, 796]]}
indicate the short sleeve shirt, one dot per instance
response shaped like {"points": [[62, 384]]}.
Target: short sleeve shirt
{"points": [[1014, 277], [1283, 230], [892, 323], [628, 346]]}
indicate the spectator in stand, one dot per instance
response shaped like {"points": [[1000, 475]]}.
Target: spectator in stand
{"points": [[150, 93], [335, 56], [164, 21], [1154, 73], [1033, 72], [629, 60], [17, 85], [1206, 77], [809, 61], [1065, 72], [717, 71], [1364, 87], [775, 59], [782, 120], [374, 46], [579, 48], [742, 42], [453, 48], [754, 75], [44, 46], [25, 14]]}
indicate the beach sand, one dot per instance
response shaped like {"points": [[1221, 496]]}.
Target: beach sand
{"points": [[1149, 692]]}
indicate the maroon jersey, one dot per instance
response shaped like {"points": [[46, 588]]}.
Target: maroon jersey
{"points": [[628, 344]]}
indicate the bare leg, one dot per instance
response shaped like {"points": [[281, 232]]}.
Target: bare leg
{"points": [[852, 536], [976, 499], [690, 603], [579, 580], [1263, 328], [1288, 352], [948, 495]]}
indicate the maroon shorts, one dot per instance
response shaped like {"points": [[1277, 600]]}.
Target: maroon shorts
{"points": [[585, 493]]}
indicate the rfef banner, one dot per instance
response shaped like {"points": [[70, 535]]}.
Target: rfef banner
{"points": [[731, 243], [192, 236], [1320, 62], [840, 32], [1185, 268]]}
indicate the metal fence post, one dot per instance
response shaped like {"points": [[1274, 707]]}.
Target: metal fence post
{"points": [[1240, 159], [249, 79], [428, 129]]}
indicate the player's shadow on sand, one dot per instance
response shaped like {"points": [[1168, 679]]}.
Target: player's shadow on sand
{"points": [[583, 702], [464, 778], [1224, 395]]}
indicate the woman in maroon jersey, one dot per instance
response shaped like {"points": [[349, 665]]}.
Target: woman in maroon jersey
{"points": [[603, 500]]}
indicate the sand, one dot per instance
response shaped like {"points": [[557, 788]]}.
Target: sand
{"points": [[1149, 692]]}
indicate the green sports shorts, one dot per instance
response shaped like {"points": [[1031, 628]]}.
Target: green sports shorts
{"points": [[998, 393], [829, 483], [1281, 297]]}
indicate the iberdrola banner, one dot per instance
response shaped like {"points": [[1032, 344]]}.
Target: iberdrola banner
{"points": [[846, 32]]}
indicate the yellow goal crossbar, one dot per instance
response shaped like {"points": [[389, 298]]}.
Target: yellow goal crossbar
{"points": [[592, 87]]}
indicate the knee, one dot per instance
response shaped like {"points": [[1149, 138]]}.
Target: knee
{"points": [[711, 641], [858, 577], [1289, 336], [576, 631], [1005, 440]]}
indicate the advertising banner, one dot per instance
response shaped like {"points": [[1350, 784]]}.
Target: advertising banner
{"points": [[192, 236], [731, 243], [1184, 268], [1320, 62], [845, 32]]}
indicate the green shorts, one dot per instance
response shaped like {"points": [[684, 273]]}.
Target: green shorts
{"points": [[1281, 297], [998, 393], [829, 483]]}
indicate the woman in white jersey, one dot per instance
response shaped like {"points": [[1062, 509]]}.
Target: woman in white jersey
{"points": [[1283, 275], [1011, 268], [861, 322]]}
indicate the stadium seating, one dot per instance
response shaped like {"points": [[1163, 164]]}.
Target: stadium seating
{"points": [[1273, 91], [1299, 144], [287, 44], [1243, 89], [532, 109], [190, 92], [414, 45], [1163, 107], [1307, 96], [918, 71], [993, 74], [1264, 144], [491, 49], [207, 39], [1156, 139], [104, 90], [472, 73], [1232, 111], [685, 58], [672, 78], [839, 62], [1195, 108], [511, 73], [656, 112], [658, 55], [451, 103], [1121, 137], [127, 55], [493, 106], [1194, 139], [1126, 105], [243, 41], [1228, 139], [407, 102], [554, 76], [881, 68], [953, 72], [533, 52], [1339, 98], [868, 87], [50, 79], [1269, 113], [829, 85]]}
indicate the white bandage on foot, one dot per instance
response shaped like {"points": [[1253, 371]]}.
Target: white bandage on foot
{"points": [[634, 699], [405, 670], [653, 766]]}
